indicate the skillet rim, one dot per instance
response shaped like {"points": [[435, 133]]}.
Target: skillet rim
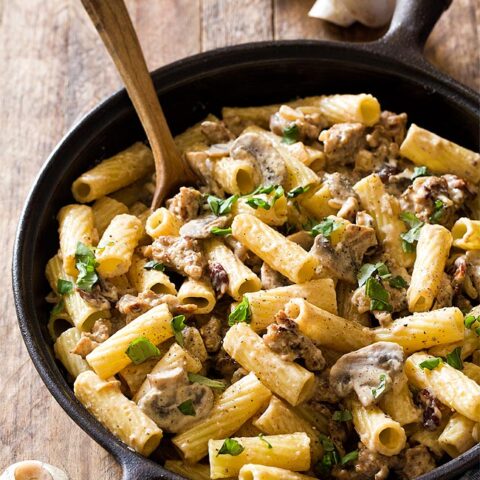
{"points": [[415, 69]]}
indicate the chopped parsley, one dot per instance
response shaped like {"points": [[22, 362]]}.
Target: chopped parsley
{"points": [[330, 456], [379, 297], [187, 408], [410, 237], [326, 227], [221, 206], [454, 358], [342, 416], [196, 378], [437, 214], [380, 388], [57, 309], [420, 172], [257, 202], [397, 282], [261, 436], [153, 265], [291, 134], [178, 324], [241, 313], [231, 447], [431, 363], [470, 320], [349, 457], [86, 264], [64, 287], [221, 232], [295, 192], [141, 349], [365, 272]]}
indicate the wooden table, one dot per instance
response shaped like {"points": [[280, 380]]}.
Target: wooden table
{"points": [[53, 69]]}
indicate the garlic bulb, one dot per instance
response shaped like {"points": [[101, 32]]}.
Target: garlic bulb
{"points": [[33, 470], [373, 13]]}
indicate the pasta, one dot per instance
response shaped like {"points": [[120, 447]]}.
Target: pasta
{"points": [[306, 309]]}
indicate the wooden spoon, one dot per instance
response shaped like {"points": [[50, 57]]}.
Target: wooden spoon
{"points": [[113, 23]]}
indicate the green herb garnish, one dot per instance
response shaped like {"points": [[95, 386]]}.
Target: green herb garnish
{"points": [[58, 308], [178, 324], [295, 192], [141, 349], [291, 134], [349, 457], [64, 287], [153, 265], [410, 237], [257, 202], [431, 363], [221, 232], [342, 416], [241, 313], [231, 447], [379, 297], [437, 214], [380, 388], [196, 378], [187, 408], [261, 436], [86, 264], [221, 206], [326, 227], [470, 320], [398, 282], [454, 358], [420, 172]]}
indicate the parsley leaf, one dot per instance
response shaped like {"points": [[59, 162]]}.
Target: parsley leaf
{"points": [[342, 416], [470, 320], [178, 324], [411, 236], [141, 349], [58, 308], [349, 457], [153, 265], [437, 214], [64, 287], [222, 232], [431, 363], [196, 378], [291, 134], [85, 263], [398, 282], [327, 443], [231, 447], [261, 436], [295, 192], [326, 227], [420, 172], [365, 272], [382, 270], [379, 297], [380, 388], [454, 358], [187, 408], [220, 206], [241, 313], [257, 202], [330, 457]]}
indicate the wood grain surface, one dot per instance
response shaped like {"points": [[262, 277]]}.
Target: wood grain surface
{"points": [[53, 69]]}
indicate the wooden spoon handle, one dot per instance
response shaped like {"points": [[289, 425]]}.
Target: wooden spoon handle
{"points": [[113, 23]]}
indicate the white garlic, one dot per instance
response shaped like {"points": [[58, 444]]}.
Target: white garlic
{"points": [[33, 470], [373, 13]]}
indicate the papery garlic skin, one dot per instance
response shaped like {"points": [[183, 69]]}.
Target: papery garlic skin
{"points": [[33, 469]]}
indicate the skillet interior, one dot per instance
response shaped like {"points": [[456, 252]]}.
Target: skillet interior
{"points": [[246, 75]]}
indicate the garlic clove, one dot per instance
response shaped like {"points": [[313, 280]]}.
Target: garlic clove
{"points": [[332, 11], [33, 470], [372, 13]]}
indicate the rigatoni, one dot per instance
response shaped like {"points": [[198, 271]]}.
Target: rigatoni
{"points": [[466, 234], [457, 437], [196, 471], [235, 176], [162, 222], [114, 173], [144, 278], [287, 379], [104, 210], [199, 293], [63, 347], [262, 472]]}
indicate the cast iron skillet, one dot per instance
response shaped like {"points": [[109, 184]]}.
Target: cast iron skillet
{"points": [[392, 69]]}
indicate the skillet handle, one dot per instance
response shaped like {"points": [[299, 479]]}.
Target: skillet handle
{"points": [[412, 22], [139, 468]]}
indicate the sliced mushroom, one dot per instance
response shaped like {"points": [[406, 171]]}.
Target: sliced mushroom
{"points": [[370, 371], [257, 149], [33, 470], [202, 227], [216, 132], [174, 403]]}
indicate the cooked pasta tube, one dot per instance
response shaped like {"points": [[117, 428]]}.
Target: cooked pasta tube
{"points": [[457, 436], [104, 210], [76, 224], [104, 400], [237, 118], [377, 431], [193, 135], [469, 344], [385, 210], [82, 313], [135, 192], [432, 252], [287, 379], [276, 215], [176, 356], [327, 329], [440, 155], [272, 247], [264, 304], [199, 293], [279, 419], [110, 356], [466, 234], [235, 176], [58, 323], [262, 472], [309, 156], [398, 404], [448, 384], [133, 375], [282, 451], [144, 279], [317, 419], [195, 471], [231, 410], [114, 173], [471, 371], [162, 222], [240, 278], [429, 439], [476, 432], [115, 249], [424, 330], [316, 202], [63, 347]]}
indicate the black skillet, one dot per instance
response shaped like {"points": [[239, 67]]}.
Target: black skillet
{"points": [[392, 68]]}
